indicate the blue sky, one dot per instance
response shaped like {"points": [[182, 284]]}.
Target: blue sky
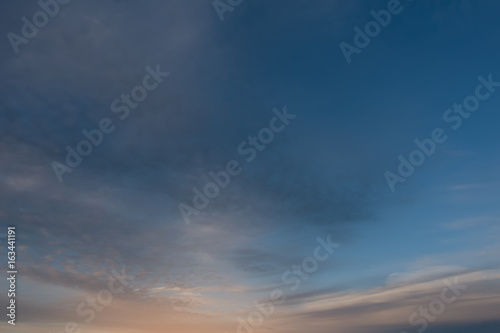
{"points": [[321, 176]]}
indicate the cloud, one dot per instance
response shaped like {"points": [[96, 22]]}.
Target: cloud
{"points": [[390, 306]]}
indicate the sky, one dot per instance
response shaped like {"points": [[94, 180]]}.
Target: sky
{"points": [[251, 166]]}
